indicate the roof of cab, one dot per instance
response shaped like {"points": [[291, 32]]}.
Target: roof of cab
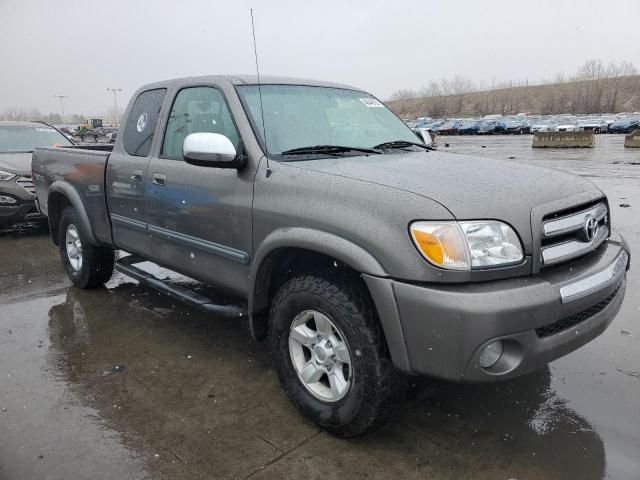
{"points": [[249, 80]]}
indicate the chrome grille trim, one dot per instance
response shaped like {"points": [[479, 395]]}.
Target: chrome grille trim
{"points": [[609, 276], [27, 184], [573, 222], [562, 252]]}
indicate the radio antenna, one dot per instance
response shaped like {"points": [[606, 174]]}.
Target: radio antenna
{"points": [[264, 128]]}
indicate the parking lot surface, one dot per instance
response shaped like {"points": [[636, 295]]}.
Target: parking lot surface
{"points": [[121, 382]]}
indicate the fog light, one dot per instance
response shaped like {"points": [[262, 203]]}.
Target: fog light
{"points": [[491, 354], [4, 200]]}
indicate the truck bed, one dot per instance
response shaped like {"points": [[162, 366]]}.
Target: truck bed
{"points": [[80, 169]]}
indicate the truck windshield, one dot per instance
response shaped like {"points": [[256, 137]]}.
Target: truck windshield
{"points": [[25, 139], [302, 118]]}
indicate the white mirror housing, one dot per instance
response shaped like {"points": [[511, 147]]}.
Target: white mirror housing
{"points": [[425, 136], [206, 147]]}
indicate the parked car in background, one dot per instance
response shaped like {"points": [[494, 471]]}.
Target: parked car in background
{"points": [[491, 127], [540, 126], [517, 126], [597, 125], [17, 142], [422, 122], [566, 125], [625, 125], [470, 127], [450, 127]]}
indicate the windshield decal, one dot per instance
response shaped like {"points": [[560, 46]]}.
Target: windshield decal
{"points": [[142, 122], [49, 130], [371, 102]]}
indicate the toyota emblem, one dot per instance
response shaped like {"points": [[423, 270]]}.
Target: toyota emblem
{"points": [[590, 228]]}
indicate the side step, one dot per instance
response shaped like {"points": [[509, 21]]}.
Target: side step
{"points": [[126, 266]]}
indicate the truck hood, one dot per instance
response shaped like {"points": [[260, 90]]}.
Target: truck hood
{"points": [[18, 163], [470, 187]]}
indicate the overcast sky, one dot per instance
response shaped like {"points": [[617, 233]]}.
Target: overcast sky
{"points": [[79, 48]]}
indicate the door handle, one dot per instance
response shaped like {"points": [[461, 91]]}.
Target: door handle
{"points": [[159, 179], [136, 176]]}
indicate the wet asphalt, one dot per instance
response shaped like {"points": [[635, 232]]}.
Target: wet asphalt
{"points": [[122, 383]]}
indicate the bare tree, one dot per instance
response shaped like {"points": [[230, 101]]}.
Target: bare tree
{"points": [[403, 94], [615, 77], [437, 92], [592, 80], [460, 87]]}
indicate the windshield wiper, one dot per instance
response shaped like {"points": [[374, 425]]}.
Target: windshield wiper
{"points": [[400, 144], [329, 149]]}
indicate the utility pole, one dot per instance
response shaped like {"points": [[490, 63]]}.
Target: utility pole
{"points": [[115, 101], [61, 104]]}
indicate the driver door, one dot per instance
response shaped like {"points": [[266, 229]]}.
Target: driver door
{"points": [[200, 216]]}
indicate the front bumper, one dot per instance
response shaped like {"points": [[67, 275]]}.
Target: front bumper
{"points": [[440, 330], [23, 210]]}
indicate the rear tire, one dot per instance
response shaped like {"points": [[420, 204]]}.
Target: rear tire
{"points": [[369, 382], [86, 265]]}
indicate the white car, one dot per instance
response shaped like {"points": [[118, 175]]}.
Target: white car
{"points": [[568, 125], [540, 127], [598, 125]]}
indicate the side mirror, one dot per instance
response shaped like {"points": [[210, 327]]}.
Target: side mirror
{"points": [[425, 136], [210, 150]]}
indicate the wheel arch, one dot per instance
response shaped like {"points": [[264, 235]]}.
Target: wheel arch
{"points": [[286, 253], [62, 195], [287, 242], [299, 249]]}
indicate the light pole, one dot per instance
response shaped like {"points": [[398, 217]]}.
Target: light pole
{"points": [[115, 101], [61, 104]]}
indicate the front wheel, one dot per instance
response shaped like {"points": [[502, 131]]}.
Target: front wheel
{"points": [[86, 265], [330, 353]]}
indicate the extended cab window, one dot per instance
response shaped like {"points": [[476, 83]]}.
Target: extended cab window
{"points": [[197, 109], [142, 121]]}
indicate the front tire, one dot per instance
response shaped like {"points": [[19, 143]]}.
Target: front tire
{"points": [[86, 265], [330, 352]]}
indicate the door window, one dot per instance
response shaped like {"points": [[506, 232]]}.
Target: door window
{"points": [[197, 109], [142, 121]]}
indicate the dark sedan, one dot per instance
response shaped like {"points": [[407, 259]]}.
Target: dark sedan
{"points": [[517, 126], [470, 127], [625, 125], [490, 127], [17, 141]]}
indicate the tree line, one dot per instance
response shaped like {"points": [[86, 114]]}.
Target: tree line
{"points": [[16, 114], [596, 87]]}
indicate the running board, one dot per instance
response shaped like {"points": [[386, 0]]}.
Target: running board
{"points": [[205, 304]]}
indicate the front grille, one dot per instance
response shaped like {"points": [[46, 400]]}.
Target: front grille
{"points": [[569, 322], [27, 184], [564, 235]]}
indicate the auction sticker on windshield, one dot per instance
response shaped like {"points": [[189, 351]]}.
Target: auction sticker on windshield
{"points": [[371, 102]]}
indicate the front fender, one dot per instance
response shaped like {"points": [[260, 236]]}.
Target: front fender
{"points": [[341, 249], [313, 240]]}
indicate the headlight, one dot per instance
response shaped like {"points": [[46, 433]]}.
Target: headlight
{"points": [[4, 200], [467, 245], [6, 175]]}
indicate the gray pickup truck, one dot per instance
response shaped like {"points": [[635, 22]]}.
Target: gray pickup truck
{"points": [[360, 252]]}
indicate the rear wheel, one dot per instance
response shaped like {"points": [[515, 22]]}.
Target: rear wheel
{"points": [[330, 353], [86, 265]]}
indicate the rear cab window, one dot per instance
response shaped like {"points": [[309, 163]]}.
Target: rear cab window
{"points": [[142, 121]]}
